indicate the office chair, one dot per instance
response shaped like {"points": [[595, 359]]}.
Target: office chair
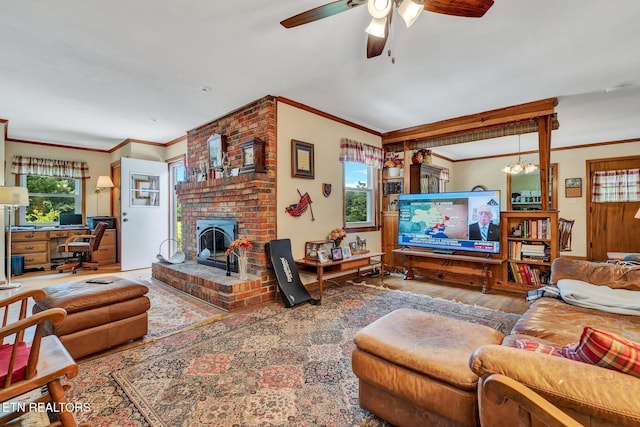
{"points": [[82, 249]]}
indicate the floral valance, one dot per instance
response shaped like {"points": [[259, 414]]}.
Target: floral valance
{"points": [[22, 165], [359, 152]]}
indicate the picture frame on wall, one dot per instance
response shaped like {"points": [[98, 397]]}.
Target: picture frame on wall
{"points": [[573, 187], [302, 160]]}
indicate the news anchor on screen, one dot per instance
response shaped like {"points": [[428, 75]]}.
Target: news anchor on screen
{"points": [[484, 229]]}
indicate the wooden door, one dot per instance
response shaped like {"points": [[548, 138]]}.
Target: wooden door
{"points": [[611, 226]]}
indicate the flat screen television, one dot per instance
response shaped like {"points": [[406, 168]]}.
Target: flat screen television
{"points": [[448, 222]]}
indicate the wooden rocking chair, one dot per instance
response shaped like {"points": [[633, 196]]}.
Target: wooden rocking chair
{"points": [[564, 234], [499, 389], [27, 366]]}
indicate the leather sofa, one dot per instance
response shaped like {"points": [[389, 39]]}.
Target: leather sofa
{"points": [[99, 315], [592, 395]]}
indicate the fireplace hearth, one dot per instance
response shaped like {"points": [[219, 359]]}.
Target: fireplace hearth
{"points": [[214, 236]]}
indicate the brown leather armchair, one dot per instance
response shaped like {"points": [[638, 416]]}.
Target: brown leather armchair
{"points": [[82, 249]]}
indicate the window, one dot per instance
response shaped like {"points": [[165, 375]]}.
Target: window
{"points": [[49, 197], [177, 175], [359, 195]]}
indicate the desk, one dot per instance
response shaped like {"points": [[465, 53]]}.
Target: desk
{"points": [[450, 264], [39, 245], [354, 262]]}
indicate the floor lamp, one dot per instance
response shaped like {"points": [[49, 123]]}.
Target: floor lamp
{"points": [[103, 182], [11, 198]]}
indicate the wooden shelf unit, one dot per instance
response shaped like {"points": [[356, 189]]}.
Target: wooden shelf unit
{"points": [[538, 229]]}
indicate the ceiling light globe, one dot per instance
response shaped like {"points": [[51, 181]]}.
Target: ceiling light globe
{"points": [[377, 28], [517, 168], [379, 8], [530, 167], [410, 10]]}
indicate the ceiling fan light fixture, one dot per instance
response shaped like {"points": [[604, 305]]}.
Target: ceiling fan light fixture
{"points": [[377, 27], [379, 8], [410, 10]]}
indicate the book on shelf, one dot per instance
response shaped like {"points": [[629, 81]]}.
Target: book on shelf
{"points": [[533, 229], [526, 275]]}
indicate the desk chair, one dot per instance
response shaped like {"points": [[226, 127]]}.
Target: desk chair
{"points": [[82, 249], [36, 364]]}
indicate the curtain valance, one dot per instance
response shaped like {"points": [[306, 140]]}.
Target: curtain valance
{"points": [[22, 165], [616, 186], [359, 152]]}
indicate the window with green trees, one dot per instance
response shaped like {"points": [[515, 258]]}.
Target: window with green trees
{"points": [[49, 197], [359, 195]]}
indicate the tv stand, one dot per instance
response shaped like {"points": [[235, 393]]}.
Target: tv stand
{"points": [[444, 251], [451, 267]]}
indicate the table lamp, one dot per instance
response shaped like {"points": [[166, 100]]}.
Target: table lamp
{"points": [[637, 215], [12, 198]]}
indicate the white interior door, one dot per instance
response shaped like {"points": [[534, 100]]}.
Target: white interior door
{"points": [[144, 213]]}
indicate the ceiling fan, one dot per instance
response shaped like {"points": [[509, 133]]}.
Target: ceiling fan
{"points": [[381, 11]]}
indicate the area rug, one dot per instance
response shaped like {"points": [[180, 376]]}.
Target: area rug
{"points": [[172, 311], [272, 366]]}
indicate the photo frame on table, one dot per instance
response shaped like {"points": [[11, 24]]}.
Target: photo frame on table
{"points": [[302, 160], [346, 252], [573, 187], [336, 254], [322, 256]]}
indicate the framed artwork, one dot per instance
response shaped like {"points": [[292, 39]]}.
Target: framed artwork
{"points": [[573, 187], [217, 146], [336, 254], [346, 252], [302, 159]]}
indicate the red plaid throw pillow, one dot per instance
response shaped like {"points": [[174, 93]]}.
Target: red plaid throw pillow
{"points": [[605, 349], [537, 347]]}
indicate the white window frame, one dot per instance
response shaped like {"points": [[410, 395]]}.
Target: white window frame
{"points": [[174, 167], [78, 201], [369, 189]]}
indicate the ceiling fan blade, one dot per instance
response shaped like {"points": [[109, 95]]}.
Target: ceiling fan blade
{"points": [[375, 45], [321, 12], [464, 8]]}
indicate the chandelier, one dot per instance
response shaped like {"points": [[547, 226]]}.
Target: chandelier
{"points": [[519, 166], [379, 10]]}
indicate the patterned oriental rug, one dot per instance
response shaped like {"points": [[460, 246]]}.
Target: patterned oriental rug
{"points": [[272, 366]]}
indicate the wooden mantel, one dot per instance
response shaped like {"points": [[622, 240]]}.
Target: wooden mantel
{"points": [[541, 111]]}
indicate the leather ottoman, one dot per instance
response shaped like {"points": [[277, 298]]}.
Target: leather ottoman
{"points": [[413, 368], [99, 315]]}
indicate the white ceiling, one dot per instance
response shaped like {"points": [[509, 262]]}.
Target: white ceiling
{"points": [[91, 73]]}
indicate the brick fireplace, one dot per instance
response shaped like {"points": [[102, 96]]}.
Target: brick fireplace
{"points": [[249, 199]]}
